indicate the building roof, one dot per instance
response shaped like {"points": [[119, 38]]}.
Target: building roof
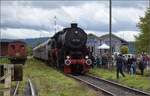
{"points": [[42, 44], [107, 35], [91, 36]]}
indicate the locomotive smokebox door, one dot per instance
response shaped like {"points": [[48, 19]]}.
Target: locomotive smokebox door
{"points": [[2, 72], [18, 72]]}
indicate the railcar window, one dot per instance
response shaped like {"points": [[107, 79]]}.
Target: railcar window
{"points": [[13, 46], [22, 46]]}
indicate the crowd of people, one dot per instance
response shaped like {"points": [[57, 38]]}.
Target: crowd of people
{"points": [[128, 63]]}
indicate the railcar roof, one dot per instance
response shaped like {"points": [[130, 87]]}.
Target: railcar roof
{"points": [[18, 41], [42, 44]]}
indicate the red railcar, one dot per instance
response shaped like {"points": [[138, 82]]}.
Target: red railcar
{"points": [[17, 51]]}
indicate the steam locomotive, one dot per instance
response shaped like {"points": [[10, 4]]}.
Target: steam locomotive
{"points": [[66, 50]]}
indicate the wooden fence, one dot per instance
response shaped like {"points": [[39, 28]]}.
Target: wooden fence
{"points": [[8, 71]]}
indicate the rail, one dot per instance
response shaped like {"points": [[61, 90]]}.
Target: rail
{"points": [[16, 89], [95, 87], [31, 88], [109, 88], [121, 86]]}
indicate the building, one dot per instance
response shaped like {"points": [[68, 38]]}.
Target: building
{"points": [[116, 42], [132, 48], [94, 41]]}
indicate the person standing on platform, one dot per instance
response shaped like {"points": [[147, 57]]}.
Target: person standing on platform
{"points": [[97, 62], [142, 65], [119, 65], [129, 62], [133, 66]]}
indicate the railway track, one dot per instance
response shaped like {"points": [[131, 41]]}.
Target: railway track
{"points": [[30, 90], [16, 89], [109, 88], [102, 91]]}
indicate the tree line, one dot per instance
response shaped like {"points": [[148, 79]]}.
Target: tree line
{"points": [[143, 40]]}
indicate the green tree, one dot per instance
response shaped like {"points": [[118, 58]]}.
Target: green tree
{"points": [[124, 49], [143, 40]]}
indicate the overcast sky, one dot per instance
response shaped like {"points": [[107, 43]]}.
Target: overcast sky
{"points": [[30, 19]]}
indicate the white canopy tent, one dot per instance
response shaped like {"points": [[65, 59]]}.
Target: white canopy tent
{"points": [[103, 46]]}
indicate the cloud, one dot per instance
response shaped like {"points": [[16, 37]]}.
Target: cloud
{"points": [[127, 35], [38, 16], [25, 17], [130, 3], [29, 33], [24, 33]]}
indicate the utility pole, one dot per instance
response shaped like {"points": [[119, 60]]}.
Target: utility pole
{"points": [[149, 3], [57, 61], [149, 30], [110, 29], [55, 23]]}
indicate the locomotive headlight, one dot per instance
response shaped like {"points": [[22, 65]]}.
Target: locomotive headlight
{"points": [[76, 32], [68, 57], [86, 57], [88, 61], [67, 62]]}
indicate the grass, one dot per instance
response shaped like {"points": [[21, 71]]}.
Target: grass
{"points": [[51, 82], [4, 60], [48, 81], [147, 73], [1, 86], [140, 82]]}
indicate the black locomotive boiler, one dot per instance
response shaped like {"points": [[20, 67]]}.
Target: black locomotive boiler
{"points": [[66, 50]]}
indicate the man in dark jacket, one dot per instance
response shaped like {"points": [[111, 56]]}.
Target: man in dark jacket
{"points": [[129, 64], [119, 65], [142, 66]]}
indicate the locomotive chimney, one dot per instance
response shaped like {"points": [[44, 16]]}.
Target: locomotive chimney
{"points": [[74, 25]]}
